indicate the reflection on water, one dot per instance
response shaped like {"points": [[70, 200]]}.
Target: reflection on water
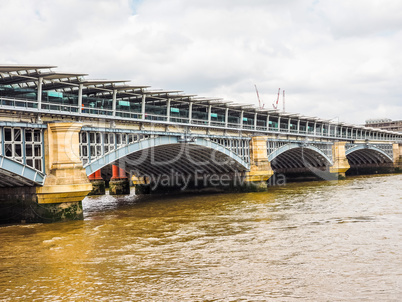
{"points": [[318, 241]]}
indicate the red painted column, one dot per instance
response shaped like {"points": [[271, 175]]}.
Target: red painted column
{"points": [[115, 172], [122, 173], [91, 176], [98, 175]]}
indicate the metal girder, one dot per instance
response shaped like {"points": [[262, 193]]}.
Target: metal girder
{"points": [[367, 152], [20, 174], [291, 146], [183, 157], [291, 156]]}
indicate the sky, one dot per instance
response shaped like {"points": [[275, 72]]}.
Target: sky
{"points": [[335, 59]]}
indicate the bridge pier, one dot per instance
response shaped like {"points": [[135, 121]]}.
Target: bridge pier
{"points": [[65, 186], [119, 183], [98, 184], [341, 164], [260, 167], [397, 152]]}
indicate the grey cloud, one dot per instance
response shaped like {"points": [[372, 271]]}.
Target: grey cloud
{"points": [[334, 58]]}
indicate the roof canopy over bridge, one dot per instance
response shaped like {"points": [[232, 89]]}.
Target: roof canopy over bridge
{"points": [[45, 91]]}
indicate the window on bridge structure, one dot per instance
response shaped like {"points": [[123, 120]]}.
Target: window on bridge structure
{"points": [[108, 142], [125, 107], [121, 140], [179, 112], [331, 130], [284, 124], [261, 122], [273, 123], [95, 140], [156, 109], [218, 116], [84, 147], [325, 129], [303, 127], [248, 120], [234, 118], [318, 129], [97, 105], [133, 138], [293, 126], [33, 149], [61, 100], [13, 144], [19, 93], [199, 114]]}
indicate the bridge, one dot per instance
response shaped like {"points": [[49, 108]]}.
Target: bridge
{"points": [[62, 136]]}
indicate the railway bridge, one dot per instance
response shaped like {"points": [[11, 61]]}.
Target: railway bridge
{"points": [[62, 136]]}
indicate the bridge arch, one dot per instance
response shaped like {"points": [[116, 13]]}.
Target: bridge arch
{"points": [[298, 156], [16, 174], [365, 154], [164, 154]]}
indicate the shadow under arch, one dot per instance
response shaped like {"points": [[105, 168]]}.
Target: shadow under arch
{"points": [[296, 157], [364, 155], [164, 154]]}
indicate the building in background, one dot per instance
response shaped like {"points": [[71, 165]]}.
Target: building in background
{"points": [[385, 124]]}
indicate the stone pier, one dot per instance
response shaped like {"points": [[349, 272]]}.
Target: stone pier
{"points": [[66, 183], [397, 152], [341, 164], [260, 168]]}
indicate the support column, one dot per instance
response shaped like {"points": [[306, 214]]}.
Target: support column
{"points": [[98, 184], [190, 112], [168, 110], [122, 174], [39, 93], [209, 114], [397, 150], [260, 167], [255, 121], [119, 183], [268, 122], [143, 105], [80, 87], [114, 102], [341, 164], [66, 183]]}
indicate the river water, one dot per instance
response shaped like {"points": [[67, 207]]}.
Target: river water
{"points": [[311, 241]]}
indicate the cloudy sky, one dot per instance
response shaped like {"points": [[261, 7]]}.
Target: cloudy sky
{"points": [[336, 59]]}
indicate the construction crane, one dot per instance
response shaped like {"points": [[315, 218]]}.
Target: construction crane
{"points": [[260, 104], [275, 105]]}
